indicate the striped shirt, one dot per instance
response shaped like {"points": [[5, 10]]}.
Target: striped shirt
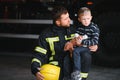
{"points": [[92, 31]]}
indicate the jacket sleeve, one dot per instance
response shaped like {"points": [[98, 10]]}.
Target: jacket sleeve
{"points": [[39, 55]]}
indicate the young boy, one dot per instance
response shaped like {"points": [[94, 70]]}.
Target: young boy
{"points": [[87, 35]]}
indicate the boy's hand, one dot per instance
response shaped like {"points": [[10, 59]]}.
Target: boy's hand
{"points": [[93, 48]]}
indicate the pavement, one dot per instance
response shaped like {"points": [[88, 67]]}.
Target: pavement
{"points": [[16, 66]]}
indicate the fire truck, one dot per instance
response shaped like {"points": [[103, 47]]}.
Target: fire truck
{"points": [[21, 20]]}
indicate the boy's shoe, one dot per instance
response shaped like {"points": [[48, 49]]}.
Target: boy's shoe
{"points": [[76, 75]]}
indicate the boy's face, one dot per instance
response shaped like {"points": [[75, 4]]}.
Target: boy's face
{"points": [[85, 18]]}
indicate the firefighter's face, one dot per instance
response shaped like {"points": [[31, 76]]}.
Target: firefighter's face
{"points": [[64, 21]]}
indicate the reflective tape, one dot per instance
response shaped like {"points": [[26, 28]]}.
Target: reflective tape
{"points": [[39, 49], [84, 75], [36, 60], [54, 62]]}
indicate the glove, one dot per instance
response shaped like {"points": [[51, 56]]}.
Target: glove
{"points": [[69, 45]]}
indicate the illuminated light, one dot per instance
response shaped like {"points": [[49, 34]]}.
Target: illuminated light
{"points": [[89, 3]]}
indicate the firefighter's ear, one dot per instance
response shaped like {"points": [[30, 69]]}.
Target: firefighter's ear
{"points": [[57, 22]]}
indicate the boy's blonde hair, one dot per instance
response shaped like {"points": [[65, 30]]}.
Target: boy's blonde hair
{"points": [[83, 10]]}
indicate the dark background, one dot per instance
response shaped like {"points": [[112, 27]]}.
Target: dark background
{"points": [[18, 37]]}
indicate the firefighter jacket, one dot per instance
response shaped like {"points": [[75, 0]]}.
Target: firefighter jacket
{"points": [[50, 47]]}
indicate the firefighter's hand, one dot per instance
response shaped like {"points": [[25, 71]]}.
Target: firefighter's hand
{"points": [[68, 46], [39, 76]]}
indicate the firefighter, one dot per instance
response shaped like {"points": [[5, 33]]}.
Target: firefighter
{"points": [[51, 42]]}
